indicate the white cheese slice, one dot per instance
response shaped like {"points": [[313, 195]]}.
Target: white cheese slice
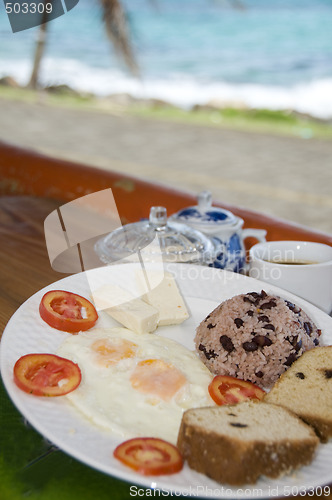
{"points": [[167, 299], [122, 306]]}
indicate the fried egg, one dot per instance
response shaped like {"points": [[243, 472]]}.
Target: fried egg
{"points": [[136, 385]]}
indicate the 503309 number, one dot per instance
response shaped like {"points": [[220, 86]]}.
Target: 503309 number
{"points": [[28, 8], [319, 491]]}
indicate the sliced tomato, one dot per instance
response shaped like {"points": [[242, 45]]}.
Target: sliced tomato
{"points": [[46, 375], [67, 311], [230, 390], [149, 456]]}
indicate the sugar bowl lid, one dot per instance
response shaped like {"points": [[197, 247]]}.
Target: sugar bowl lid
{"points": [[204, 214], [174, 241]]}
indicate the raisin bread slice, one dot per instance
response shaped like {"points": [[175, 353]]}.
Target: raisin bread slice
{"points": [[236, 444], [306, 389]]}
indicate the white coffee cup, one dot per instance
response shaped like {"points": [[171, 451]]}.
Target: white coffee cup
{"points": [[301, 267]]}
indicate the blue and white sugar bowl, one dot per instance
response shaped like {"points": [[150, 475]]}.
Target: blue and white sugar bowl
{"points": [[225, 230]]}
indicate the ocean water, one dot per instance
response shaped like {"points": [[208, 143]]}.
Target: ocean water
{"points": [[273, 54]]}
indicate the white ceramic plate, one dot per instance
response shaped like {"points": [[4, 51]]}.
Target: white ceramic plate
{"points": [[203, 288]]}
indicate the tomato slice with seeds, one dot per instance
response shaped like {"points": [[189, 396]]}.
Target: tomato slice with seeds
{"points": [[149, 456], [67, 311], [226, 390], [46, 375]]}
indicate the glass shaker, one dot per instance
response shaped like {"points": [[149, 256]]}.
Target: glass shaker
{"points": [[154, 239]]}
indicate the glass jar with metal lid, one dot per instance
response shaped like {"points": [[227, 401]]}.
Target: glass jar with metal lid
{"points": [[155, 239]]}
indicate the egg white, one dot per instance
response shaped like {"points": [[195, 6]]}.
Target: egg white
{"points": [[107, 398]]}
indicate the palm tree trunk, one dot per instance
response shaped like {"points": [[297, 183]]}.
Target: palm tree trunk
{"points": [[117, 30], [39, 51]]}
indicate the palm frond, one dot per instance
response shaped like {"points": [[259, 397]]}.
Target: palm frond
{"points": [[117, 30]]}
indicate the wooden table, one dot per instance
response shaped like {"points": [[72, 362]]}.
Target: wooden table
{"points": [[25, 269]]}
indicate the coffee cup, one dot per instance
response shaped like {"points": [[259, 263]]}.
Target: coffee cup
{"points": [[301, 267]]}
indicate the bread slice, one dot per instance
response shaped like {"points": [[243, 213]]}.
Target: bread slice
{"points": [[235, 444], [306, 389]]}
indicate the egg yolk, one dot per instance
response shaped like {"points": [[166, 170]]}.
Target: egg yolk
{"points": [[157, 378], [111, 352]]}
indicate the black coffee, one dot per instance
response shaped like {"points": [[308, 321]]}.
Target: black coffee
{"points": [[291, 262]]}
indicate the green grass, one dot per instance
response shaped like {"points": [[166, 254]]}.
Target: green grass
{"points": [[255, 120], [65, 99], [264, 120]]}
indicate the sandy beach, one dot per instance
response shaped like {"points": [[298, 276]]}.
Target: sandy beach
{"points": [[285, 176]]}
